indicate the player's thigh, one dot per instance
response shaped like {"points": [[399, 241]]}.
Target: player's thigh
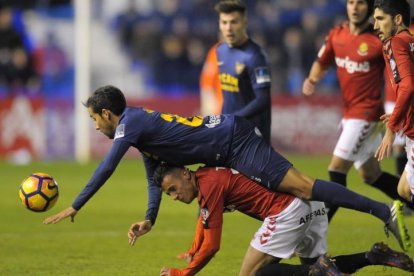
{"points": [[254, 260], [255, 158], [280, 235], [358, 141]]}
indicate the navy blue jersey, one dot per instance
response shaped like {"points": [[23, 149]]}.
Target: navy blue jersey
{"points": [[220, 140], [246, 83]]}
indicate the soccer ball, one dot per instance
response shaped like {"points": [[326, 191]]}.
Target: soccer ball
{"points": [[39, 192]]}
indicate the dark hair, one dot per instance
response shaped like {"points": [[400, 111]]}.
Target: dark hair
{"points": [[394, 7], [229, 6], [107, 97], [370, 11], [162, 170]]}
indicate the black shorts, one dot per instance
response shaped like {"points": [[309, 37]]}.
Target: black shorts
{"points": [[252, 156]]}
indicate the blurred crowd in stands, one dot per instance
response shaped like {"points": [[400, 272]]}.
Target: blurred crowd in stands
{"points": [[26, 67], [172, 39], [169, 40]]}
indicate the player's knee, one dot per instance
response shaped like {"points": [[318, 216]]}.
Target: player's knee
{"points": [[404, 191], [297, 184]]}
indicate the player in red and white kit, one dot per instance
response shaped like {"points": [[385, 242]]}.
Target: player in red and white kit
{"points": [[398, 148], [392, 19], [357, 53], [290, 225]]}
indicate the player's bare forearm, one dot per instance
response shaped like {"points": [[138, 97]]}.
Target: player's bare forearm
{"points": [[68, 212], [138, 229]]}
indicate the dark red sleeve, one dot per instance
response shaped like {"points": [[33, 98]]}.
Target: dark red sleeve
{"points": [[405, 86], [326, 55]]}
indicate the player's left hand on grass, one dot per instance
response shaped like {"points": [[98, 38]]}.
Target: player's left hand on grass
{"points": [[68, 212], [384, 149], [138, 229]]}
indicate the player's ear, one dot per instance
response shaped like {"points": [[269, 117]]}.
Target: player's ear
{"points": [[398, 20], [106, 113]]}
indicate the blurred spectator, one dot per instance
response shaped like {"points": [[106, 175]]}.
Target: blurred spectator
{"points": [[16, 66], [53, 67]]}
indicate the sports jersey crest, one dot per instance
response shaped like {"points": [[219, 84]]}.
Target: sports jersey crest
{"points": [[389, 55], [120, 131], [363, 49], [239, 67]]}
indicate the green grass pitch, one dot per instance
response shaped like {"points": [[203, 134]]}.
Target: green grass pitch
{"points": [[96, 244]]}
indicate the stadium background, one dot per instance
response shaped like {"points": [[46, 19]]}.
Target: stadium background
{"points": [[154, 52], [37, 126]]}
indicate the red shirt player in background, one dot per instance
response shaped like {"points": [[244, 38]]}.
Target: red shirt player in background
{"points": [[392, 18], [357, 53], [290, 226]]}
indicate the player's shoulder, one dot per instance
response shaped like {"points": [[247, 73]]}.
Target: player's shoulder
{"points": [[342, 27], [401, 42]]}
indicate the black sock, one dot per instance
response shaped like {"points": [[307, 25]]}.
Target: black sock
{"points": [[388, 183], [335, 194], [400, 162], [283, 270], [339, 178], [351, 263]]}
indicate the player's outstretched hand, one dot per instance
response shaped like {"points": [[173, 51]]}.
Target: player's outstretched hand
{"points": [[165, 271], [138, 229], [308, 87], [384, 149], [185, 256], [385, 118], [68, 212]]}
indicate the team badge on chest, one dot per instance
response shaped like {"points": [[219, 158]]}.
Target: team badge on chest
{"points": [[239, 68], [363, 49]]}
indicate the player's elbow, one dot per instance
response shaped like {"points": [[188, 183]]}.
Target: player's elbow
{"points": [[213, 249]]}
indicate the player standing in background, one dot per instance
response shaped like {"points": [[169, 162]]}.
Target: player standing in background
{"points": [[290, 225], [392, 18], [398, 148], [357, 53], [244, 69], [219, 140], [210, 91]]}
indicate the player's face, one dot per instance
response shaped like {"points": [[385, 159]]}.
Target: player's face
{"points": [[233, 28], [383, 24], [179, 186], [103, 122], [357, 11]]}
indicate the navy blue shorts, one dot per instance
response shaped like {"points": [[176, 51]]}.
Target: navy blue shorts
{"points": [[252, 156]]}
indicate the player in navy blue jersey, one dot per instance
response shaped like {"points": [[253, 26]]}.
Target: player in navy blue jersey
{"points": [[244, 70], [220, 140]]}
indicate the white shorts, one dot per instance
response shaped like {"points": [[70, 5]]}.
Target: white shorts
{"points": [[301, 228], [409, 167], [358, 141], [399, 138]]}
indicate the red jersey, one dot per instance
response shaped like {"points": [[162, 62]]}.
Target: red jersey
{"points": [[225, 190], [399, 54], [360, 69]]}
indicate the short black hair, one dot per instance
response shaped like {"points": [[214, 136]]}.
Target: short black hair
{"points": [[107, 97], [394, 7], [229, 6], [162, 170]]}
